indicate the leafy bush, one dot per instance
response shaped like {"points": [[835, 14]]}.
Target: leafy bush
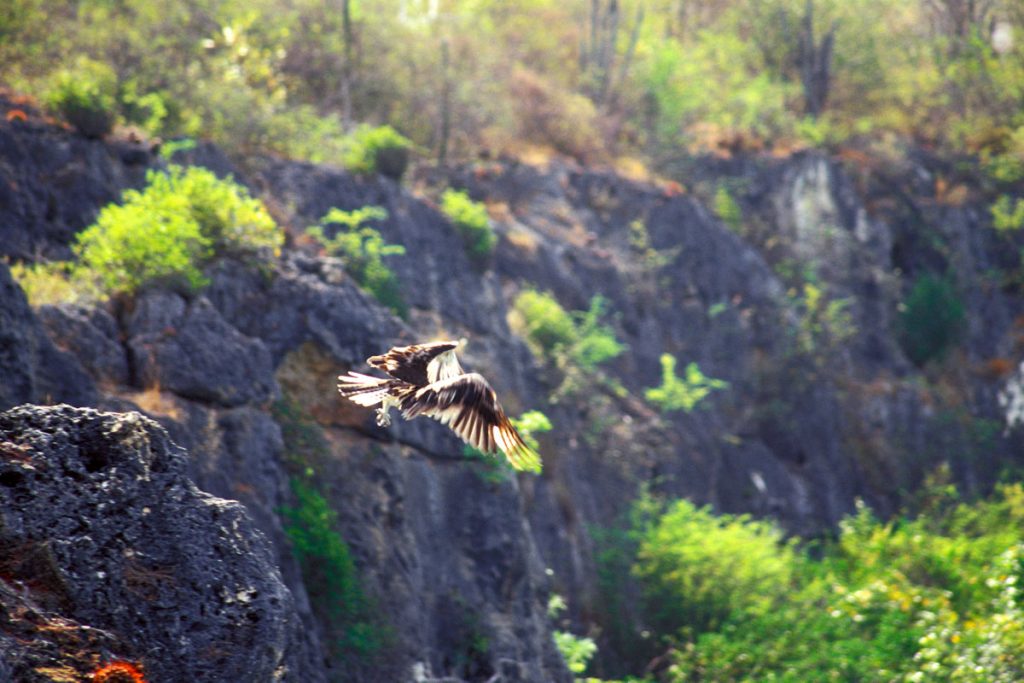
{"points": [[931, 319], [330, 574], [929, 598], [681, 393], [379, 149], [575, 650], [542, 320], [86, 97], [594, 341], [1008, 214], [471, 220], [169, 230], [697, 569], [560, 337], [363, 249]]}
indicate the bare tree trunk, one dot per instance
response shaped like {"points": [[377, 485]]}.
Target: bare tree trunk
{"points": [[611, 30], [446, 119], [815, 63], [627, 59], [346, 72]]}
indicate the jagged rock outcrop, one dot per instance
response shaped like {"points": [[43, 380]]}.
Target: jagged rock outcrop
{"points": [[105, 540]]}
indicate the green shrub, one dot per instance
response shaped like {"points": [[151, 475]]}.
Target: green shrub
{"points": [[931, 319], [379, 149], [1008, 214], [697, 569], [167, 232], [577, 651], [471, 220], [578, 338], [330, 574], [363, 249], [594, 342], [929, 598], [85, 96], [542, 321], [681, 393]]}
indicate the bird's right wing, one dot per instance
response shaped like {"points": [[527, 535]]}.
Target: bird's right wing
{"points": [[468, 405]]}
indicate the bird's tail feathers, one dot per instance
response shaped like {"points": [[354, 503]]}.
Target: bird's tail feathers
{"points": [[363, 389]]}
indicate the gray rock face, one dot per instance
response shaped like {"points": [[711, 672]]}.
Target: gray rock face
{"points": [[53, 183], [91, 335], [190, 350], [31, 367], [110, 529]]}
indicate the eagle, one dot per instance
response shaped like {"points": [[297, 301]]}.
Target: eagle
{"points": [[426, 379]]}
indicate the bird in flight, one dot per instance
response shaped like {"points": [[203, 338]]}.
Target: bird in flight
{"points": [[426, 379]]}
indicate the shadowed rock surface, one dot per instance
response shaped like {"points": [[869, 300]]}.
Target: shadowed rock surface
{"points": [[102, 526]]}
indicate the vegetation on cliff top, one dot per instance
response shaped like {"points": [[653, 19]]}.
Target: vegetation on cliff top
{"points": [[602, 79]]}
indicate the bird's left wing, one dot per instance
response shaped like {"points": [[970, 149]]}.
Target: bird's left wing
{"points": [[468, 405]]}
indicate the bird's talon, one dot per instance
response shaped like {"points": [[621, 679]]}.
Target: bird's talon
{"points": [[383, 419]]}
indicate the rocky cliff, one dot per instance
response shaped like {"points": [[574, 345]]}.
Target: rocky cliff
{"points": [[783, 277]]}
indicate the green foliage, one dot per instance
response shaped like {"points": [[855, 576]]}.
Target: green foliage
{"points": [[471, 220], [931, 319], [542, 320], [574, 343], [1007, 164], [1008, 214], [640, 242], [151, 238], [531, 423], [728, 209], [377, 149], [934, 597], [697, 569], [681, 393], [47, 284], [577, 651], [823, 323], [167, 232], [85, 96], [363, 249], [330, 574], [594, 342], [291, 77]]}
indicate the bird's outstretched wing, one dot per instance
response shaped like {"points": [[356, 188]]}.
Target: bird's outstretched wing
{"points": [[409, 363], [468, 405]]}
